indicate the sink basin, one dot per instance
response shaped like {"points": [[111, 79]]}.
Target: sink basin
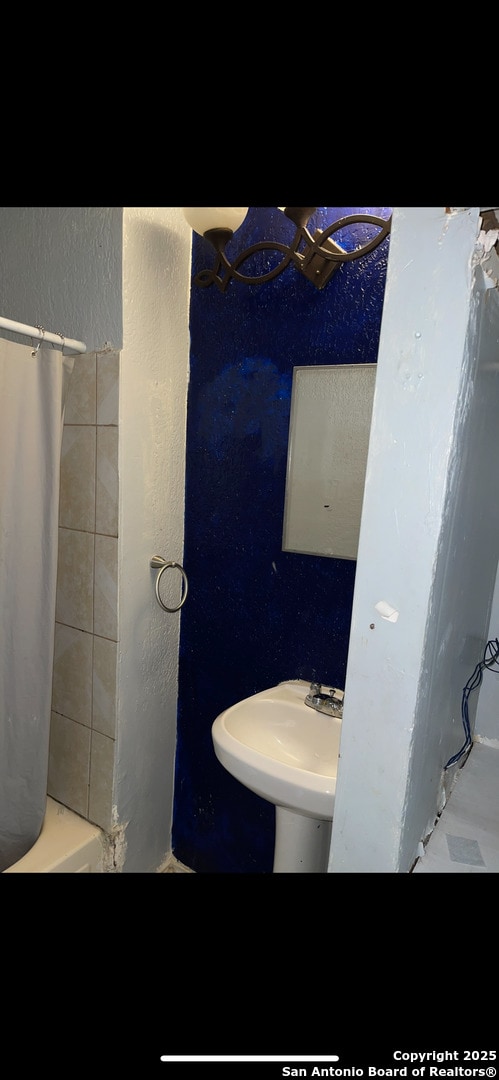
{"points": [[286, 752]]}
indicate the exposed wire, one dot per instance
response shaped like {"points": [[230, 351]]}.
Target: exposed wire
{"points": [[490, 659]]}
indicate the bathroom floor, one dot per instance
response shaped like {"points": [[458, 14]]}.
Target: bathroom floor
{"points": [[466, 837]]}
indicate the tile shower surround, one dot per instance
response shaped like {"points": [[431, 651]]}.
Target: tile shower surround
{"points": [[82, 732]]}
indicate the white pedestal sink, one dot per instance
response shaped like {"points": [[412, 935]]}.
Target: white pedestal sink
{"points": [[287, 753]]}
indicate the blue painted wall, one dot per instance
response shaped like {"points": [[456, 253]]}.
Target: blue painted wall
{"points": [[255, 615]]}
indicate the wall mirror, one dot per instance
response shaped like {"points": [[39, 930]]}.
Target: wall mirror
{"points": [[330, 422]]}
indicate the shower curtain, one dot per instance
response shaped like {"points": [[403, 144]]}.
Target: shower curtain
{"points": [[33, 386]]}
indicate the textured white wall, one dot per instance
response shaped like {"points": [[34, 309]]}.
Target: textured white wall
{"points": [[60, 267], [153, 410], [403, 680], [487, 716]]}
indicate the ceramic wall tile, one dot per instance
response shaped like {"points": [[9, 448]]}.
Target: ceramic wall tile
{"points": [[106, 587], [77, 495], [74, 601], [106, 509], [86, 632], [101, 781], [81, 401], [107, 387], [69, 763], [104, 687], [72, 681]]}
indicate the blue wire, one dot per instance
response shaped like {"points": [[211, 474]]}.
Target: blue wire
{"points": [[492, 647]]}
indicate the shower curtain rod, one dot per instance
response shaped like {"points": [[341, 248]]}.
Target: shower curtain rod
{"points": [[43, 335]]}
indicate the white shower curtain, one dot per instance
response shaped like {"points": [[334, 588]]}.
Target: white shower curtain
{"points": [[32, 396]]}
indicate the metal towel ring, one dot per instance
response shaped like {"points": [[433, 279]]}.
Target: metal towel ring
{"points": [[159, 563]]}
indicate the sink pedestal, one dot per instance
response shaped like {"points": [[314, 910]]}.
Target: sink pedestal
{"points": [[286, 753], [301, 843]]}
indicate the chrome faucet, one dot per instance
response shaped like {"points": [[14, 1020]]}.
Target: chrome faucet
{"points": [[329, 701]]}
